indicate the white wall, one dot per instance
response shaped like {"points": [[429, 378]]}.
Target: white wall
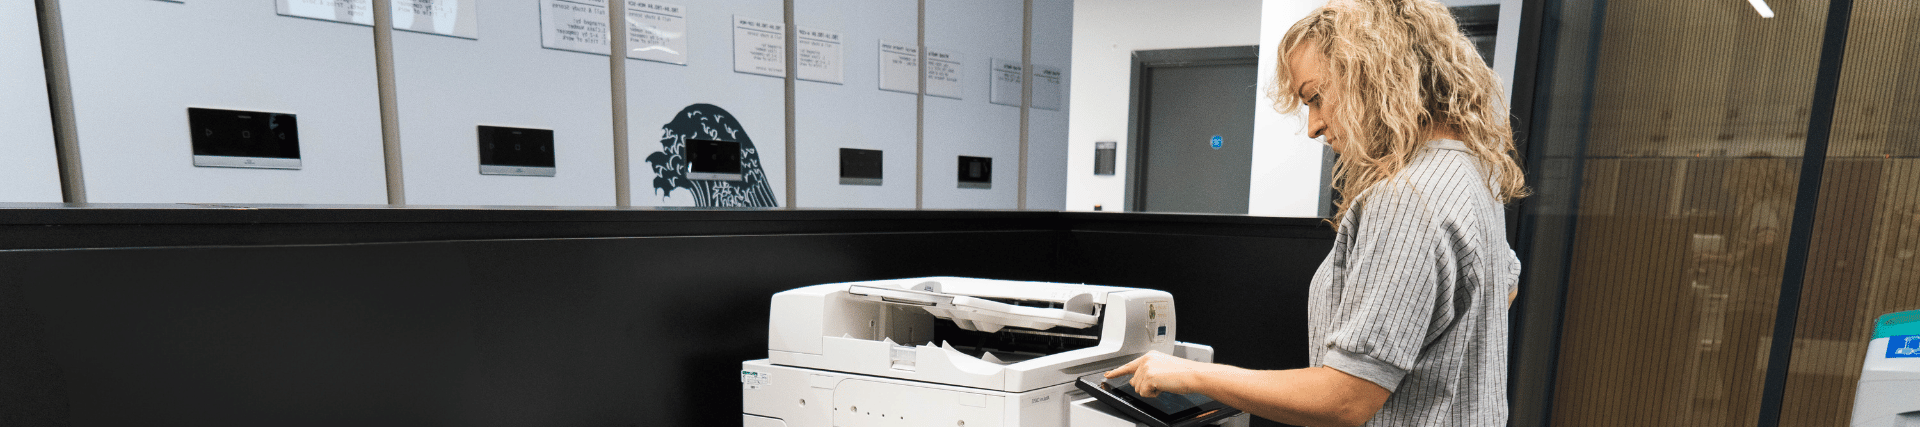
{"points": [[137, 65], [658, 91], [1106, 32], [29, 169], [979, 31], [1047, 146], [447, 86], [856, 114], [1287, 170]]}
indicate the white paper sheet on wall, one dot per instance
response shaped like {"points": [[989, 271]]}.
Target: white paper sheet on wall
{"points": [[1047, 87], [348, 11], [1005, 88], [657, 32], [575, 25], [943, 73], [456, 18], [820, 56], [898, 63], [759, 47]]}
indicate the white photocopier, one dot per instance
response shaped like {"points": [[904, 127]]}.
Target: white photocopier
{"points": [[951, 351]]}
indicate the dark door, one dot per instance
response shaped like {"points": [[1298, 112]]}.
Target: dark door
{"points": [[1188, 99]]}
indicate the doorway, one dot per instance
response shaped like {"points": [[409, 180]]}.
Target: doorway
{"points": [[1192, 129]]}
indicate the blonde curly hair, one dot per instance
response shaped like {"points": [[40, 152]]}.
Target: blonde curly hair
{"points": [[1400, 67]]}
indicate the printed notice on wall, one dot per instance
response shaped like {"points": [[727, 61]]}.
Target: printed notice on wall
{"points": [[445, 17], [898, 63], [657, 32], [348, 11], [576, 25], [1005, 87], [820, 53], [1046, 87], [759, 47], [943, 74]]}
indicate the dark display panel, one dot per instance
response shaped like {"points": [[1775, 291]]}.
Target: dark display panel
{"points": [[709, 159], [233, 138]]}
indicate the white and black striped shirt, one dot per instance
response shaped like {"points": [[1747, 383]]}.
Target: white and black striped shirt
{"points": [[1414, 295]]}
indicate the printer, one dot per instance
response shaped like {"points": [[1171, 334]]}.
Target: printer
{"points": [[952, 351], [1891, 374]]}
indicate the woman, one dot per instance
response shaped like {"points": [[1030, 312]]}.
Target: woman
{"points": [[1407, 317]]}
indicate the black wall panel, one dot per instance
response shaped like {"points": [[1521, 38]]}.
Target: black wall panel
{"points": [[546, 331]]}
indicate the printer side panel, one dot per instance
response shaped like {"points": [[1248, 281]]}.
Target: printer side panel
{"points": [[794, 321]]}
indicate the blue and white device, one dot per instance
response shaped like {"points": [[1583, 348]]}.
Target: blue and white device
{"points": [[1890, 380]]}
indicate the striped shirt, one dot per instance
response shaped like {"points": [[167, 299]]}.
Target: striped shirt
{"points": [[1414, 295]]}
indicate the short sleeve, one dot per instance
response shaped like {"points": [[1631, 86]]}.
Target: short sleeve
{"points": [[1392, 286]]}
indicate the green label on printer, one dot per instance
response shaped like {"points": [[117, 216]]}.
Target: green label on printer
{"points": [[755, 378], [1903, 347]]}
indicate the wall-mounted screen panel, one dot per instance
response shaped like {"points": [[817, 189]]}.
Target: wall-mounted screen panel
{"points": [[975, 172], [244, 139], [861, 167], [516, 151], [715, 160]]}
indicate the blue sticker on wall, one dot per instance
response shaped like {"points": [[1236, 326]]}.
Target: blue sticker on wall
{"points": [[1216, 142], [1903, 346]]}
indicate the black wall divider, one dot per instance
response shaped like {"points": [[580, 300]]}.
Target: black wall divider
{"points": [[197, 315], [1826, 90]]}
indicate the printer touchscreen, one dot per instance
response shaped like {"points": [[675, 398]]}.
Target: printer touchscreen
{"points": [[1170, 405], [1162, 410]]}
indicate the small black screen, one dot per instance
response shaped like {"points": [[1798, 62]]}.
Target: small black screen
{"points": [[856, 163], [234, 133], [504, 146], [713, 156], [976, 169]]}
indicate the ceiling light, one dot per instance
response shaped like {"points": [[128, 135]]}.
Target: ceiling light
{"points": [[1761, 6]]}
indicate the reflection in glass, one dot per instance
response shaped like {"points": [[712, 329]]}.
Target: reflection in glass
{"points": [[1862, 261], [1680, 153]]}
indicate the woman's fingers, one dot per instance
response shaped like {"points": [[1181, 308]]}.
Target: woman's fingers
{"points": [[1127, 368], [1144, 385]]}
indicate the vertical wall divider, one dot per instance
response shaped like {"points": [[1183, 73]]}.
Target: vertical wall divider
{"points": [[1026, 97], [793, 71], [1551, 317], [617, 67], [1826, 90], [920, 114], [66, 132], [389, 101]]}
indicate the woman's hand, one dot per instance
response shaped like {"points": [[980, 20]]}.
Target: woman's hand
{"points": [[1157, 372]]}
